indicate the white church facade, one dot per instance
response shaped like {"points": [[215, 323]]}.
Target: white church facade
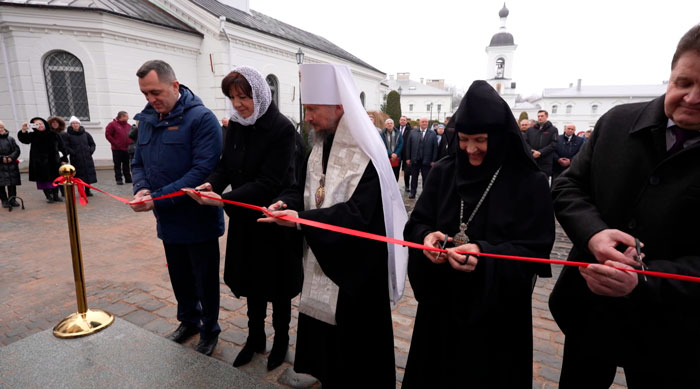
{"points": [[80, 57]]}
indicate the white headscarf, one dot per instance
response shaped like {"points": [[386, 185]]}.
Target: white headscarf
{"points": [[330, 84], [261, 96]]}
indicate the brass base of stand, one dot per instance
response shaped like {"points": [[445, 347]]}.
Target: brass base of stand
{"points": [[83, 324]]}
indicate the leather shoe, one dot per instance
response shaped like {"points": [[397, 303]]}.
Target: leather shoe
{"points": [[206, 346], [182, 333], [279, 351], [246, 353], [411, 196]]}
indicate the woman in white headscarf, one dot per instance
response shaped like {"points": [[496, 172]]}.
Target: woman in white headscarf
{"points": [[263, 261]]}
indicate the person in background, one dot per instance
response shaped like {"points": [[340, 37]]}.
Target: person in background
{"points": [[440, 131], [404, 129], [9, 168], [567, 148], [117, 133], [542, 140], [79, 147], [422, 152], [58, 125], [134, 136], [44, 158], [393, 141]]}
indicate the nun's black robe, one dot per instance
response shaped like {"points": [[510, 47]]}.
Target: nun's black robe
{"points": [[359, 350], [474, 330]]}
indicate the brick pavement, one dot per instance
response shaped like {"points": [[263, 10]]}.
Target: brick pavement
{"points": [[126, 275]]}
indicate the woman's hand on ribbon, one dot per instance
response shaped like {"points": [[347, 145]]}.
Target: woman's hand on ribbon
{"points": [[141, 201], [465, 263], [204, 195], [435, 239], [277, 210]]}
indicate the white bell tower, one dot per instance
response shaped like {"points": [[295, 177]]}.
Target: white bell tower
{"points": [[500, 60]]}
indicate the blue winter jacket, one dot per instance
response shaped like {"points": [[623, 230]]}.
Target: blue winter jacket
{"points": [[177, 152]]}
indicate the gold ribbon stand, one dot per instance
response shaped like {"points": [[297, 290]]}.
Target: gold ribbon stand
{"points": [[85, 321]]}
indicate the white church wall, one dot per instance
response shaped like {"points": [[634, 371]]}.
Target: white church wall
{"points": [[110, 49]]}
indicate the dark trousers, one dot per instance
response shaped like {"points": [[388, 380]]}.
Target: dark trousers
{"points": [[11, 192], [416, 169], [121, 165], [194, 275], [406, 174], [281, 315], [396, 170], [591, 363]]}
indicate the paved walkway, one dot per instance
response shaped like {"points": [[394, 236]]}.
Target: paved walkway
{"points": [[126, 275]]}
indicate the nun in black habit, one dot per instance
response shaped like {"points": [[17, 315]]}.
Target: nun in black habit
{"points": [[474, 323]]}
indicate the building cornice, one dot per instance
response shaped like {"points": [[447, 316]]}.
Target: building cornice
{"points": [[87, 32]]}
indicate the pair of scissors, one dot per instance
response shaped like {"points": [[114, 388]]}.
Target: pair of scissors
{"points": [[444, 244], [638, 256]]}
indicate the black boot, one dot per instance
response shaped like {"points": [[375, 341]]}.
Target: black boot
{"points": [[12, 193], [87, 192], [3, 197], [56, 199], [256, 332], [281, 315], [49, 198]]}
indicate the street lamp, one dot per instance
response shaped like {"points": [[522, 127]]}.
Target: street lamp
{"points": [[300, 60]]}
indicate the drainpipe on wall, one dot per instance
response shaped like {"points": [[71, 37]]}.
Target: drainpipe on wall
{"points": [[9, 82], [222, 24]]}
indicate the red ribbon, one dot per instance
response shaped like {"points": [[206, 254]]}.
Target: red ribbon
{"points": [[380, 238], [77, 182]]}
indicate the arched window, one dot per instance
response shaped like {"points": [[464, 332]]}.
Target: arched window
{"points": [[274, 88], [555, 108], [568, 108], [500, 67], [362, 98], [594, 108], [65, 86]]}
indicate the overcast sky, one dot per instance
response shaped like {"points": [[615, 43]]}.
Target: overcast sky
{"points": [[603, 42]]}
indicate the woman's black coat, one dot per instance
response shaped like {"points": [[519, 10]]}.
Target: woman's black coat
{"points": [[80, 146], [9, 172], [44, 160], [257, 162]]}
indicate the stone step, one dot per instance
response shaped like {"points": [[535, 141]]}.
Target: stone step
{"points": [[122, 355]]}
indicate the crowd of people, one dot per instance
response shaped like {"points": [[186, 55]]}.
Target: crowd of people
{"points": [[628, 186]]}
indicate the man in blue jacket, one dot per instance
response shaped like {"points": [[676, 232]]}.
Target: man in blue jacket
{"points": [[179, 144]]}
